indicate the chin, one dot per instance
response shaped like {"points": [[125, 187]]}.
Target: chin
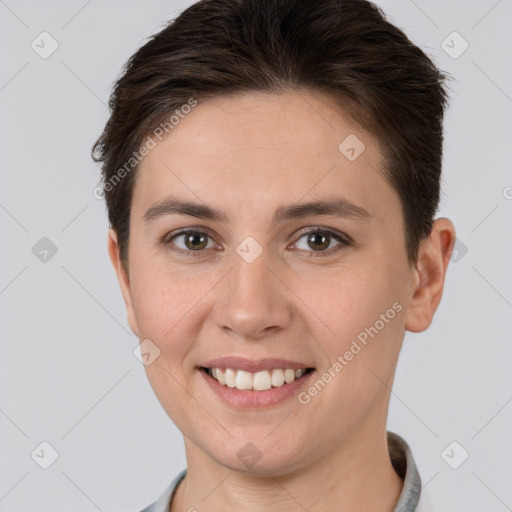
{"points": [[261, 461]]}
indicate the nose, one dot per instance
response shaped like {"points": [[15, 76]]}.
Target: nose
{"points": [[253, 301]]}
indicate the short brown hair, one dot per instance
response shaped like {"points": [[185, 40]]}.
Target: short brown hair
{"points": [[345, 48]]}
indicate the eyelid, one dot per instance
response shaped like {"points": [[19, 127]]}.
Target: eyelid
{"points": [[182, 231], [320, 229]]}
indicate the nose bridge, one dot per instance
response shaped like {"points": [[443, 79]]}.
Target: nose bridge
{"points": [[254, 301]]}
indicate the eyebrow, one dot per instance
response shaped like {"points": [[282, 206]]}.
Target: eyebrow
{"points": [[335, 207]]}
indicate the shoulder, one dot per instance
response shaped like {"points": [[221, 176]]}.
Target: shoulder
{"points": [[163, 502], [425, 503]]}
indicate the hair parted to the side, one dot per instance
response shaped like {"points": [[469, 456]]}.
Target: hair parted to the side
{"points": [[345, 48]]}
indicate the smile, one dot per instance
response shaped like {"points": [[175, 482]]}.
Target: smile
{"points": [[256, 381]]}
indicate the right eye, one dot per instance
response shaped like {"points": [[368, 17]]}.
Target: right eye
{"points": [[193, 242]]}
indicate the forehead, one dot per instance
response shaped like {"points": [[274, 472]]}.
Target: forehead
{"points": [[258, 147]]}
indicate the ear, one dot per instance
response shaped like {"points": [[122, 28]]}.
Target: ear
{"points": [[123, 278], [429, 274]]}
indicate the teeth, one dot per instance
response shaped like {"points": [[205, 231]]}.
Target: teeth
{"points": [[259, 381], [219, 375], [289, 375], [230, 377], [243, 380], [277, 378]]}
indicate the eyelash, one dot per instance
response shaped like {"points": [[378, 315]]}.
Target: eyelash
{"points": [[343, 242]]}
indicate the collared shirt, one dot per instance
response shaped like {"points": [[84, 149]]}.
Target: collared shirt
{"points": [[411, 498]]}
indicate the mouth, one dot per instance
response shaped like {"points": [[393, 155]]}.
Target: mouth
{"points": [[262, 380]]}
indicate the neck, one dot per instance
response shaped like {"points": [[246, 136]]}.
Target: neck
{"points": [[355, 476]]}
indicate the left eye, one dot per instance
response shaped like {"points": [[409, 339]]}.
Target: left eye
{"points": [[320, 241]]}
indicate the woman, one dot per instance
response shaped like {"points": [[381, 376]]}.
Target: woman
{"points": [[272, 171]]}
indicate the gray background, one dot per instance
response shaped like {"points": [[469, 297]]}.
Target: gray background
{"points": [[67, 370]]}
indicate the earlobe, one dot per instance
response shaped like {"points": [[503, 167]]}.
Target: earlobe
{"points": [[123, 278], [430, 272]]}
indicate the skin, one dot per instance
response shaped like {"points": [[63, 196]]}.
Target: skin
{"points": [[248, 155]]}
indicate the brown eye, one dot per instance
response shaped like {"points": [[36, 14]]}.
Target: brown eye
{"points": [[195, 240], [190, 241], [319, 242]]}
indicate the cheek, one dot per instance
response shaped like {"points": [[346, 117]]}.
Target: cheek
{"points": [[158, 306], [360, 334], [348, 300], [170, 311], [161, 298], [166, 309], [364, 313]]}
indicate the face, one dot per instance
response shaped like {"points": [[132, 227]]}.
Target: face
{"points": [[290, 254]]}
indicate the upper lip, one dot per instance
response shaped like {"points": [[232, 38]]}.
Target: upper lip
{"points": [[253, 365]]}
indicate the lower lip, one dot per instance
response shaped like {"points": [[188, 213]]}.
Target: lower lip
{"points": [[250, 399]]}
